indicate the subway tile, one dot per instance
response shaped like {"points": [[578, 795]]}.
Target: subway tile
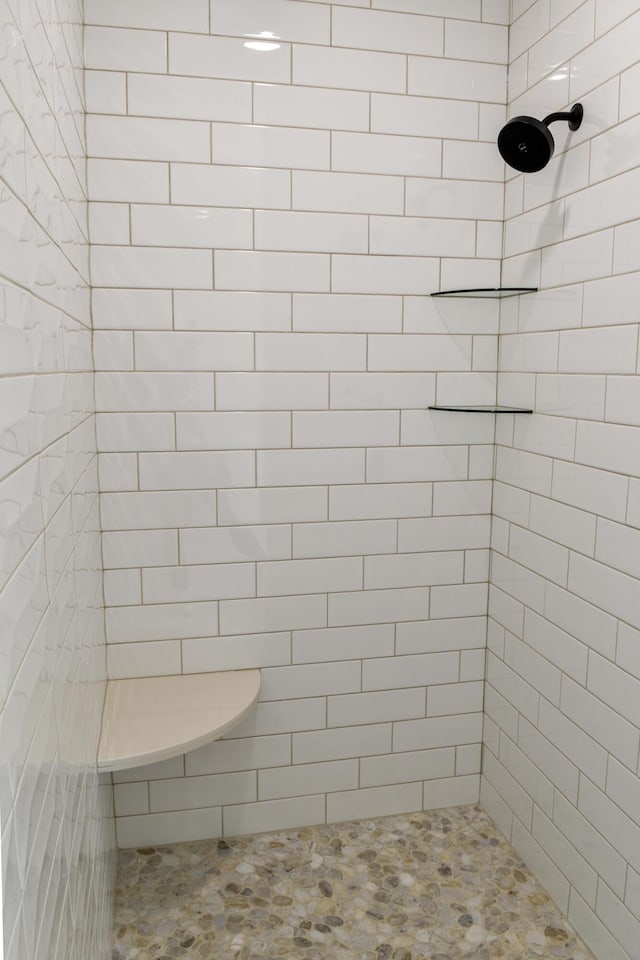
{"points": [[119, 49], [437, 732], [309, 467], [187, 98], [189, 793], [406, 464], [417, 236], [432, 636], [310, 680], [197, 470], [383, 275], [464, 39], [160, 15], [466, 599], [255, 270], [176, 226], [361, 708], [263, 146], [387, 31], [347, 69], [193, 351], [175, 827], [157, 510], [249, 753], [344, 538], [151, 659], [273, 613], [105, 91], [144, 267], [377, 501], [377, 606], [342, 743], [381, 390], [596, 491], [236, 544], [310, 107], [273, 815], [236, 310], [131, 309], [347, 192], [282, 717], [153, 392], [141, 138], [195, 583], [377, 153], [423, 117], [275, 505], [462, 81], [444, 533], [308, 576], [412, 570], [407, 767], [342, 643], [139, 548], [373, 802], [319, 232], [224, 56], [463, 697], [250, 17], [109, 222], [229, 186], [335, 313], [232, 430], [463, 199], [306, 778], [345, 428], [311, 351], [611, 684], [203, 654], [272, 391]]}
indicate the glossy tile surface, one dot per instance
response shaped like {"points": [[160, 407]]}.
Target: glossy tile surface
{"points": [[444, 885]]}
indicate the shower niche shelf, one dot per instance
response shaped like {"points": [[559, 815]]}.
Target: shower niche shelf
{"points": [[478, 408], [486, 293], [148, 719]]}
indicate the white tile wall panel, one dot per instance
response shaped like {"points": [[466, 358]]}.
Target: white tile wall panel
{"points": [[263, 146], [57, 834], [143, 267], [342, 742], [309, 576], [347, 192], [387, 31], [235, 544]]}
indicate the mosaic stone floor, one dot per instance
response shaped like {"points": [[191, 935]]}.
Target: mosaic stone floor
{"points": [[442, 885]]}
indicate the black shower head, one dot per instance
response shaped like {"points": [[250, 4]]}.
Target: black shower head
{"points": [[526, 143]]}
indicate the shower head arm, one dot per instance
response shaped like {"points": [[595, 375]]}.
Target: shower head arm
{"points": [[573, 116]]}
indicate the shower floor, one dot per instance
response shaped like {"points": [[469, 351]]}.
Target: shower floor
{"points": [[442, 885]]}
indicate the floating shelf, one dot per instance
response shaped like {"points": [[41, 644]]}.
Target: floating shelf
{"points": [[488, 293], [489, 408], [148, 719]]}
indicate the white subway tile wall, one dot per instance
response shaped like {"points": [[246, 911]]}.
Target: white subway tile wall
{"points": [[56, 816], [562, 734], [277, 186]]}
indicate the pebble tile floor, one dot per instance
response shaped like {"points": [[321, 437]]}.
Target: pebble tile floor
{"points": [[441, 885]]}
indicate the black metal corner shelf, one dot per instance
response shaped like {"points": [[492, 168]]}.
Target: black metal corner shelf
{"points": [[478, 408], [487, 293]]}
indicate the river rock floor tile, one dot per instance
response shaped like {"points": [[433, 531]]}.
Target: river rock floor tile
{"points": [[440, 885]]}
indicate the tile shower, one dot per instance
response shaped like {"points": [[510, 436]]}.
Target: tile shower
{"points": [[272, 189]]}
